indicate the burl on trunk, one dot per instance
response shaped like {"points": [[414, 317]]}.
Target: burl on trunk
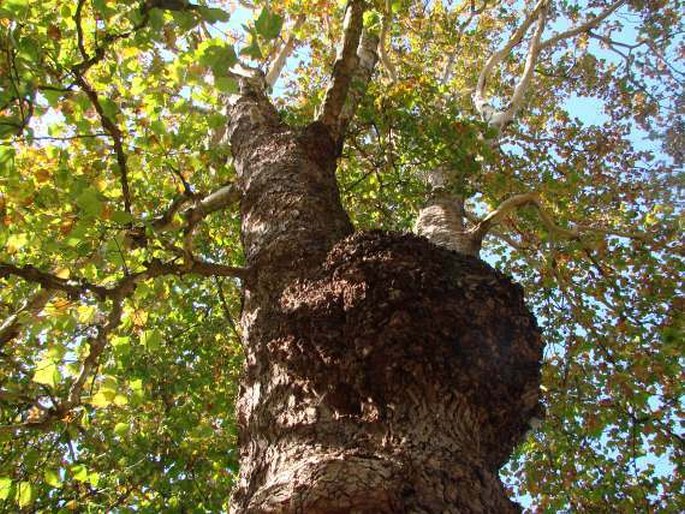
{"points": [[383, 373]]}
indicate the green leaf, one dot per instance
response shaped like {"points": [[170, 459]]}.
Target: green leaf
{"points": [[268, 24], [89, 202], [214, 14], [121, 429], [5, 486], [226, 84], [218, 56], [151, 339]]}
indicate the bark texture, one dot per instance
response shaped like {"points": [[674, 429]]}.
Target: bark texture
{"points": [[401, 378], [383, 373]]}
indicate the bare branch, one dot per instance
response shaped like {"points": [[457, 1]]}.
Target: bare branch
{"points": [[388, 66], [480, 96], [368, 56], [344, 67], [500, 120], [285, 51], [583, 27], [513, 203]]}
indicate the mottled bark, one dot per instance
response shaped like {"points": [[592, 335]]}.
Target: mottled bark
{"points": [[383, 374]]}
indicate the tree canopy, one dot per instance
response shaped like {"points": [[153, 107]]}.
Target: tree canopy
{"points": [[557, 123]]}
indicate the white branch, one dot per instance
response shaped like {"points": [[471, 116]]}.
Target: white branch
{"points": [[480, 99], [501, 119], [388, 66], [515, 202], [277, 66]]}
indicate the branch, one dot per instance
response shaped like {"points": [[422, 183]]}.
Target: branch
{"points": [[97, 345], [583, 27], [515, 202], [48, 281], [344, 68], [285, 51], [368, 56], [501, 119], [480, 100], [11, 327], [117, 137], [388, 66]]}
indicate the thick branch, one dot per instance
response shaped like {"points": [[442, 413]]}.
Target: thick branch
{"points": [[513, 203], [501, 119], [368, 56], [344, 67], [479, 96], [48, 281], [388, 66]]}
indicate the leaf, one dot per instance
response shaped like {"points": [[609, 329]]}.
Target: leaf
{"points": [[151, 339], [268, 24], [214, 14], [52, 478], [102, 399], [5, 486], [24, 494], [89, 202], [218, 56], [79, 472], [121, 429], [47, 373]]}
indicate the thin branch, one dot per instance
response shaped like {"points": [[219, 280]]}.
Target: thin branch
{"points": [[96, 345], [117, 138], [285, 51], [583, 27], [344, 67], [11, 327]]}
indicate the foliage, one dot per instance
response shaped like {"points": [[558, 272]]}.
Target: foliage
{"points": [[111, 113]]}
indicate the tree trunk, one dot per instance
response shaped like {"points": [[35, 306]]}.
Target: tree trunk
{"points": [[383, 374]]}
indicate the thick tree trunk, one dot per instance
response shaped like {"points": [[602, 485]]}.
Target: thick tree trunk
{"points": [[383, 374]]}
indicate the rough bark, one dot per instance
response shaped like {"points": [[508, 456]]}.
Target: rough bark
{"points": [[383, 374]]}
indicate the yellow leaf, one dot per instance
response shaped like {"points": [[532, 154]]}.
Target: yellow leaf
{"points": [[47, 373], [5, 486], [62, 273], [101, 399]]}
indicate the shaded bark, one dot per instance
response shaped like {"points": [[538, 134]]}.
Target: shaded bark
{"points": [[383, 374]]}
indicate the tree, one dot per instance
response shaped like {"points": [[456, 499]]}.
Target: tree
{"points": [[166, 173]]}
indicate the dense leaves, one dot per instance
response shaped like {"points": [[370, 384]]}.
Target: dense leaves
{"points": [[112, 122]]}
